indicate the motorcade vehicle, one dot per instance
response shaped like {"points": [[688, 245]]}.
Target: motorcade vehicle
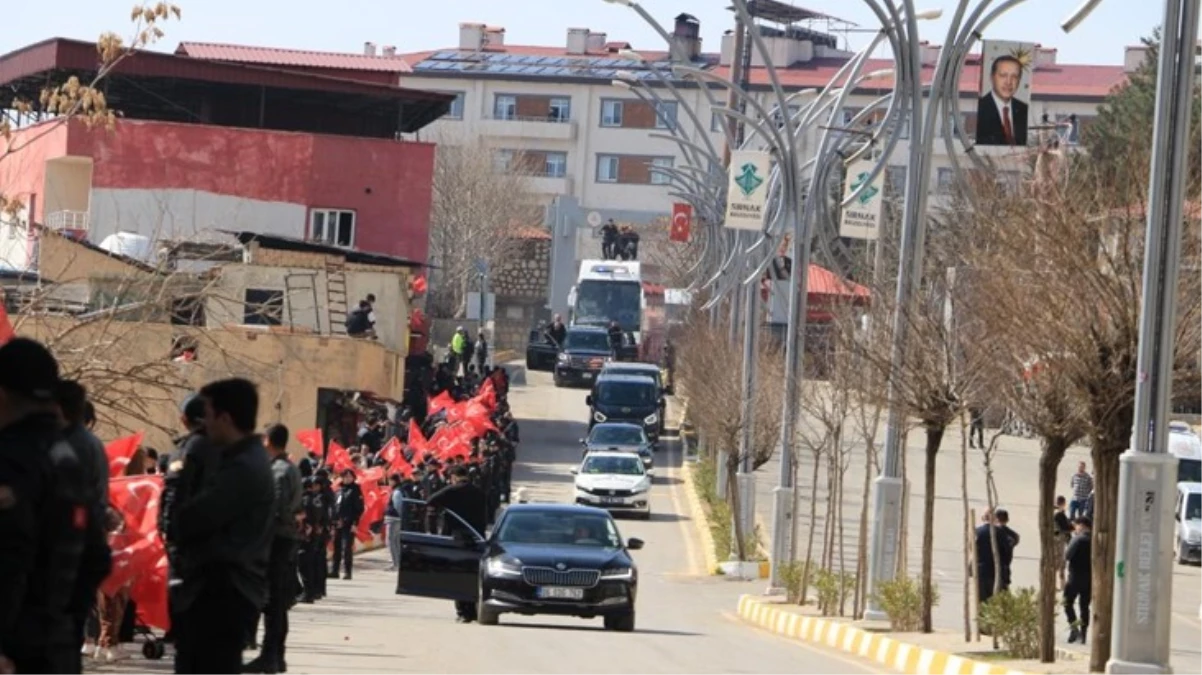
{"points": [[626, 398], [646, 370], [582, 356], [1186, 446], [541, 351], [614, 290], [620, 437], [1187, 544], [615, 481], [559, 559]]}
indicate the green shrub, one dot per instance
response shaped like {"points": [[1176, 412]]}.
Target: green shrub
{"points": [[1014, 618], [826, 585], [790, 575], [901, 599], [721, 525]]}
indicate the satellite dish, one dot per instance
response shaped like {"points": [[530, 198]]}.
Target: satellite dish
{"points": [[594, 219]]}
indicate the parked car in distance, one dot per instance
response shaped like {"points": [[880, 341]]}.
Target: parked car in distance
{"points": [[643, 370], [626, 398], [615, 481], [1186, 446], [585, 351], [1187, 545], [560, 559], [620, 437], [541, 351]]}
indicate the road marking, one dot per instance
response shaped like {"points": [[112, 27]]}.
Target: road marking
{"points": [[1187, 618], [685, 519], [860, 664]]}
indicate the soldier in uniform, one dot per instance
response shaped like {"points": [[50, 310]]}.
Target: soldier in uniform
{"points": [[45, 518]]}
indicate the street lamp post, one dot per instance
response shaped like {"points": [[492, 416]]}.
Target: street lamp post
{"points": [[1143, 588]]}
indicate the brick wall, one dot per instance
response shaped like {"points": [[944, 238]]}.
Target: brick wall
{"points": [[64, 260]]}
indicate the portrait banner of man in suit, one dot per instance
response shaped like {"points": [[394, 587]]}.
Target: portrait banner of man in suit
{"points": [[1003, 109]]}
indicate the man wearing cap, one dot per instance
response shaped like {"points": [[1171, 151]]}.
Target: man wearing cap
{"points": [[44, 517]]}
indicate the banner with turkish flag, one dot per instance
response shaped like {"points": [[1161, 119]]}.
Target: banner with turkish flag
{"points": [[453, 439], [120, 452], [6, 327], [394, 453], [487, 395], [417, 441], [682, 223], [139, 557], [439, 403], [311, 440], [375, 501], [338, 458]]}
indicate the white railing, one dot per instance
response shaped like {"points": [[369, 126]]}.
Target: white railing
{"points": [[68, 220]]}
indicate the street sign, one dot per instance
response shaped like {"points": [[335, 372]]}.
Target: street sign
{"points": [[862, 217], [747, 190], [481, 266], [477, 313]]}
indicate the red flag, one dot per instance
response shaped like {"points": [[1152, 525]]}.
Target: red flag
{"points": [[311, 440], [6, 327], [452, 440], [682, 223], [390, 450], [375, 500], [438, 403], [487, 395], [418, 285], [394, 454], [120, 452], [139, 558], [417, 441], [338, 458]]}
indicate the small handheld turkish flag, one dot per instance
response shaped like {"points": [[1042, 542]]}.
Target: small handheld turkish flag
{"points": [[682, 222]]}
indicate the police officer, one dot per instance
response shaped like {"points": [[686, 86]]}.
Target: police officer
{"points": [[325, 533], [44, 517], [313, 512], [348, 509]]}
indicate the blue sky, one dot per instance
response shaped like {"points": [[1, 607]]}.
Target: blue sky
{"points": [[415, 25]]}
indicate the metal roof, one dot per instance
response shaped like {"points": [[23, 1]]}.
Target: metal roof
{"points": [[214, 51], [542, 66], [277, 243]]}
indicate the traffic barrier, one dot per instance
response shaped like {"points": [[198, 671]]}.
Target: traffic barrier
{"points": [[876, 647]]}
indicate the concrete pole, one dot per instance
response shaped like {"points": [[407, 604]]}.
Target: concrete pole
{"points": [[1143, 588], [746, 475]]}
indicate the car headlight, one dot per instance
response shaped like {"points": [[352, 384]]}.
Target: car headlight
{"points": [[618, 573], [651, 419], [563, 358], [642, 487], [503, 566], [1193, 537], [598, 417]]}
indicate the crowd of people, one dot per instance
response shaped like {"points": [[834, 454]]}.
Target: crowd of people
{"points": [[245, 532], [619, 242]]}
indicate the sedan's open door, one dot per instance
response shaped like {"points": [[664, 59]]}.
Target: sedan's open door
{"points": [[437, 566]]}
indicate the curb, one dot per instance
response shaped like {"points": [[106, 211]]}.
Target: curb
{"points": [[700, 519], [876, 647], [502, 356]]}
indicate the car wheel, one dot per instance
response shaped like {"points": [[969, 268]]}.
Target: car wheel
{"points": [[558, 382], [485, 615], [1178, 551], [623, 623]]}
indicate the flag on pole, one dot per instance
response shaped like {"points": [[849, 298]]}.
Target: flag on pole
{"points": [[6, 327], [682, 223]]}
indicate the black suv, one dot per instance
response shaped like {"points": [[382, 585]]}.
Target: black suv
{"points": [[626, 398], [540, 351], [584, 353]]}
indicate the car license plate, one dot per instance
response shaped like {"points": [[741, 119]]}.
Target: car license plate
{"points": [[611, 500], [587, 376], [560, 593]]}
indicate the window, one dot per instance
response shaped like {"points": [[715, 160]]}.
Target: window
{"points": [[1071, 129], [561, 110], [944, 180], [555, 165], [456, 111], [502, 160], [263, 307], [505, 108], [607, 168], [717, 121], [188, 310], [895, 179], [335, 227], [665, 115], [658, 178], [611, 113]]}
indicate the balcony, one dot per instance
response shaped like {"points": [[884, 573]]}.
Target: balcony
{"points": [[548, 185], [537, 128], [73, 224]]}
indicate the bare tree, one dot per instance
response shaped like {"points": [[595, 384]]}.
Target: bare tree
{"points": [[482, 201]]}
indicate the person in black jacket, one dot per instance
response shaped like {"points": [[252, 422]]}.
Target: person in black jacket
{"points": [[312, 558], [45, 518], [469, 503], [1079, 587], [223, 533], [987, 571], [328, 499], [348, 508]]}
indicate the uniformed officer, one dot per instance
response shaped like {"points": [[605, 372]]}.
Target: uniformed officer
{"points": [[44, 517], [326, 503]]}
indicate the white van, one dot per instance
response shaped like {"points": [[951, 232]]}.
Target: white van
{"points": [[1187, 545], [1186, 446]]}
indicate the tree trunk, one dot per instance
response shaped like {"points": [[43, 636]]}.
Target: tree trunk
{"points": [[1049, 551], [805, 572], [903, 539], [1105, 523], [732, 490], [968, 543], [934, 439]]}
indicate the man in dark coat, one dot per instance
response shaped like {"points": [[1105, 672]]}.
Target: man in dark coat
{"points": [[1002, 118], [348, 508], [1079, 587], [470, 505]]}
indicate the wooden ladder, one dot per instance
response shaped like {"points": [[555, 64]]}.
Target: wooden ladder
{"points": [[336, 300]]}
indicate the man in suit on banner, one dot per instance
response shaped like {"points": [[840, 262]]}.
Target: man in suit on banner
{"points": [[1002, 118]]}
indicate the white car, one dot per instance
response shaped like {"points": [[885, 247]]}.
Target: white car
{"points": [[1187, 545], [615, 481]]}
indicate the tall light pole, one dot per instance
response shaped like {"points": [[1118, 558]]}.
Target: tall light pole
{"points": [[1143, 589]]}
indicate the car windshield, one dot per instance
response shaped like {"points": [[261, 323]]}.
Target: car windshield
{"points": [[599, 302], [1189, 471], [1193, 506], [636, 372], [578, 339], [616, 435], [630, 394], [609, 465], [550, 528]]}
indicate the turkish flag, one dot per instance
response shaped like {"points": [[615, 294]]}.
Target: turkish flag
{"points": [[338, 458], [453, 440], [417, 441], [6, 327], [487, 395], [440, 403], [311, 440], [682, 223], [120, 452], [375, 500], [139, 558], [418, 285]]}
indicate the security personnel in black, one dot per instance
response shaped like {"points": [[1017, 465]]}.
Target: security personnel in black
{"points": [[45, 518], [325, 534], [312, 557], [467, 502], [348, 509]]}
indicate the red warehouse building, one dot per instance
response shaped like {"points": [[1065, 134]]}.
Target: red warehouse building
{"points": [[205, 145]]}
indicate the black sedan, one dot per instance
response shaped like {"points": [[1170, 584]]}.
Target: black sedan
{"points": [[557, 559]]}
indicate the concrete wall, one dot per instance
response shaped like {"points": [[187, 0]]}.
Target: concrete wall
{"points": [[62, 261], [127, 368], [195, 215]]}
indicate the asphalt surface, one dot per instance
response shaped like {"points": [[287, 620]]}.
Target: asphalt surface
{"points": [[1015, 466], [685, 620]]}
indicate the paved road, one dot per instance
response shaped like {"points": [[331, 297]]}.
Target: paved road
{"points": [[685, 621], [1015, 471]]}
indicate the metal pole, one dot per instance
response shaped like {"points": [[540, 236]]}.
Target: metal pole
{"points": [[746, 477], [1143, 588], [736, 76]]}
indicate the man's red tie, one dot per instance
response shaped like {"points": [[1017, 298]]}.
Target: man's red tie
{"points": [[1007, 129]]}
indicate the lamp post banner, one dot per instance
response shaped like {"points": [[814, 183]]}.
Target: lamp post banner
{"points": [[862, 217], [747, 190]]}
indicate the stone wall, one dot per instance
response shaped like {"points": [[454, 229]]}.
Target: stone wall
{"points": [[527, 275]]}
